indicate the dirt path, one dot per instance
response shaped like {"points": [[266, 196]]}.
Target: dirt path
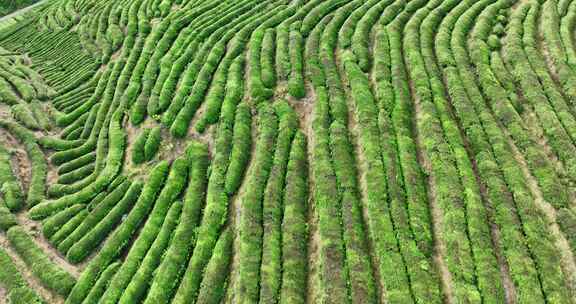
{"points": [[507, 282], [567, 258], [34, 229], [305, 110], [313, 248], [33, 282], [233, 220], [435, 212], [537, 133]]}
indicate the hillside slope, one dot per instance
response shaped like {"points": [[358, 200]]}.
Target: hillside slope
{"points": [[275, 151], [10, 6]]}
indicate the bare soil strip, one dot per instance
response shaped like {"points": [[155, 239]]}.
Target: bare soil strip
{"points": [[435, 210], [34, 283], [567, 258], [313, 252], [508, 284], [234, 213], [34, 229]]}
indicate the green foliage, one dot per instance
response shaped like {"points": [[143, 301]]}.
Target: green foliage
{"points": [[296, 86], [138, 286], [379, 217], [138, 147], [113, 165], [294, 228], [48, 272], [215, 279], [251, 204], [100, 221], [7, 219], [17, 289], [175, 183], [425, 152], [173, 266], [24, 115], [36, 190], [241, 146], [102, 283], [69, 227], [152, 144], [52, 224], [267, 64], [77, 174], [118, 241], [77, 163]]}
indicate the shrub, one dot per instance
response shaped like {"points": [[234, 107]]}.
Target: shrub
{"points": [[48, 272], [272, 202], [174, 184], [173, 266], [116, 242], [77, 163], [296, 86], [215, 277], [386, 247], [7, 219], [138, 147], [250, 225], [241, 146], [152, 143], [138, 286], [17, 289], [23, 114], [39, 167], [77, 174], [100, 222], [294, 229], [103, 215], [69, 227], [268, 73], [55, 222], [102, 283], [13, 195], [105, 177]]}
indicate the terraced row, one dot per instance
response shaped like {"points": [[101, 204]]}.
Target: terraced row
{"points": [[323, 151]]}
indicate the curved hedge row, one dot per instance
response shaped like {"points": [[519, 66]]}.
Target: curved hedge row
{"points": [[48, 272], [9, 184], [241, 148], [215, 279], [175, 183], [52, 224], [172, 269], [17, 289], [102, 283], [136, 290], [539, 240], [113, 165], [36, 190], [251, 204], [122, 235], [99, 222], [152, 143], [271, 266], [138, 147], [294, 228], [439, 136]]}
